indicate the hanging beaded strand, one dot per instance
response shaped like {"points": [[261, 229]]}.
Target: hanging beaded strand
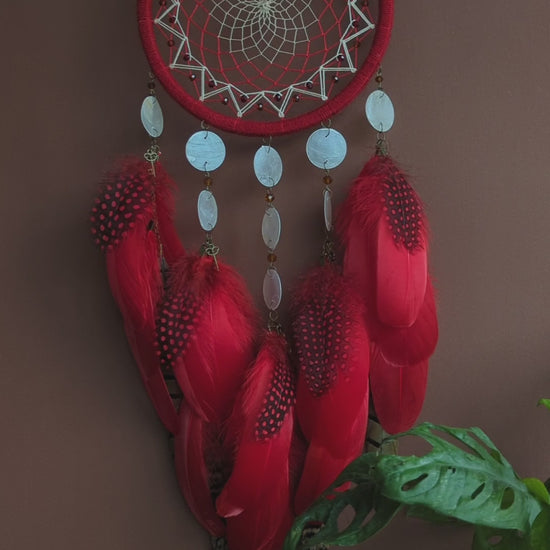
{"points": [[268, 168], [326, 148], [205, 151], [153, 121], [380, 114]]}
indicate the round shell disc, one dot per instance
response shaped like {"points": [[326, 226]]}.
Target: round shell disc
{"points": [[379, 110], [268, 166], [205, 151], [326, 148]]}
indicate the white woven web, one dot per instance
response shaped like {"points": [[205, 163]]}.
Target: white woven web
{"points": [[263, 28], [210, 37]]}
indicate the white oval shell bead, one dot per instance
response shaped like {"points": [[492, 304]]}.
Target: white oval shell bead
{"points": [[207, 210], [327, 208], [379, 110], [326, 148], [205, 151], [272, 289], [268, 166], [151, 116], [271, 227]]}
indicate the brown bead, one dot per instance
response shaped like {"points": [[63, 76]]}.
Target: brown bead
{"points": [[208, 181], [271, 258], [269, 197], [170, 43], [379, 78], [151, 85], [327, 180]]}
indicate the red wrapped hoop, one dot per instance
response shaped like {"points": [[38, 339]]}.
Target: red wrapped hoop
{"points": [[285, 125]]}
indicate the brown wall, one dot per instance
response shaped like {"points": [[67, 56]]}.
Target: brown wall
{"points": [[84, 462]]}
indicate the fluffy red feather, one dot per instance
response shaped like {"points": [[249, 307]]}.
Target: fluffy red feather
{"points": [[122, 225], [333, 354], [397, 392], [202, 465], [256, 499], [206, 334], [384, 231]]}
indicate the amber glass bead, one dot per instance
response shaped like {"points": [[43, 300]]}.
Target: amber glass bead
{"points": [[271, 258], [379, 78], [269, 197], [208, 181], [327, 180]]}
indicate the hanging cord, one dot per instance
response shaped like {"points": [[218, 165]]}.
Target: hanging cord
{"points": [[382, 147]]}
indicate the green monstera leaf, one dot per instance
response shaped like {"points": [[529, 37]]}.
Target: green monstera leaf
{"points": [[371, 512], [463, 477], [472, 482], [538, 538]]}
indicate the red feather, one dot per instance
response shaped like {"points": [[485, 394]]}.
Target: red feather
{"points": [[202, 465], [254, 529], [122, 221], [256, 499], [206, 334], [333, 354], [412, 345], [384, 230], [397, 392], [323, 465]]}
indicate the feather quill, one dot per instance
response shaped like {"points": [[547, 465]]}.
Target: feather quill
{"points": [[122, 225], [332, 349], [256, 499]]}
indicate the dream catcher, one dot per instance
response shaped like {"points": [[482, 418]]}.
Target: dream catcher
{"points": [[264, 419]]}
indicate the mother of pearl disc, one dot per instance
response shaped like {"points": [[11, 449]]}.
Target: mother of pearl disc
{"points": [[272, 289], [268, 166], [379, 111], [326, 148], [205, 151], [207, 209], [151, 116]]}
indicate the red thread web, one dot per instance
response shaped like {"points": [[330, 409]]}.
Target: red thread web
{"points": [[260, 58]]}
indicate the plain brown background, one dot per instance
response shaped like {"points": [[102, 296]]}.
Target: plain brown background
{"points": [[84, 463]]}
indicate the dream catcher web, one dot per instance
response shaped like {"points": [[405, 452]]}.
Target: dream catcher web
{"points": [[263, 60], [265, 419]]}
